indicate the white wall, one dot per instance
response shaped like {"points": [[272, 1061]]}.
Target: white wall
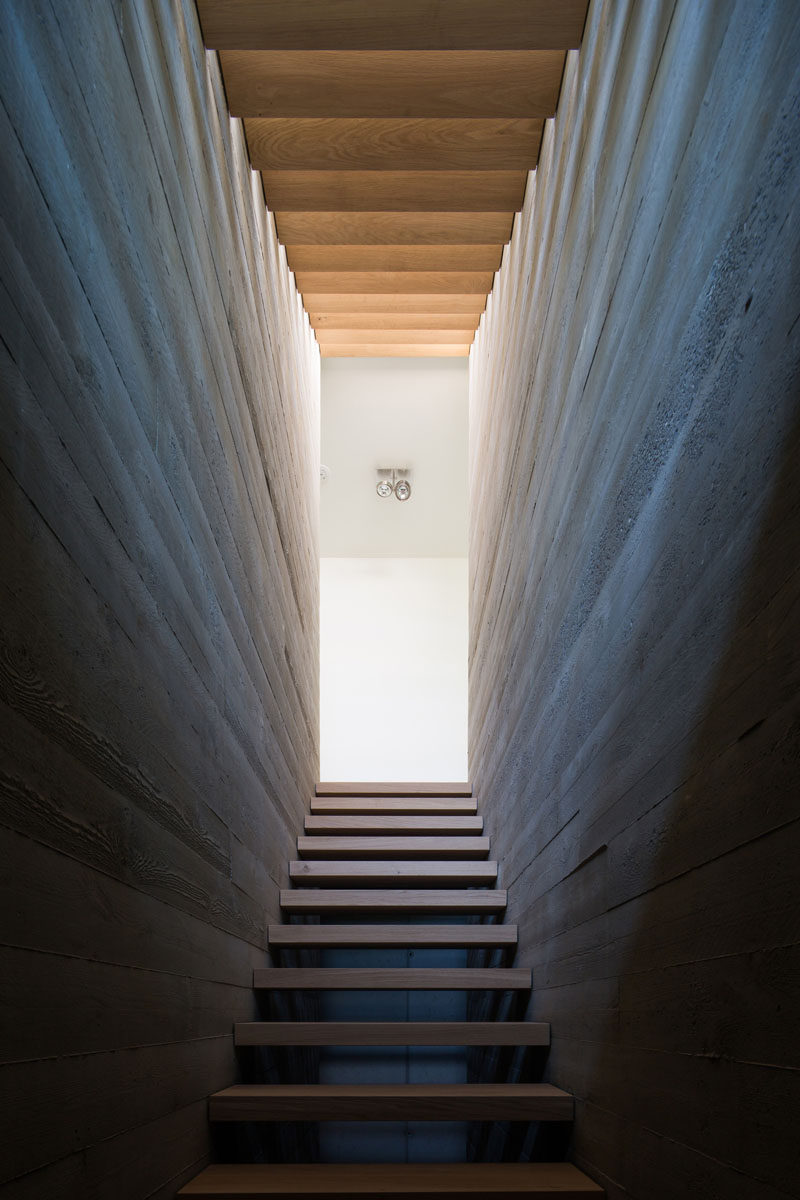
{"points": [[393, 672], [394, 412]]}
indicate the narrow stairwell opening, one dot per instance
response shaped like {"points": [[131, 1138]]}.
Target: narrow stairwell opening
{"points": [[393, 575]]}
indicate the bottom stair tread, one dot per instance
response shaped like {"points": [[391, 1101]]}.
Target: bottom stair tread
{"points": [[393, 1181]]}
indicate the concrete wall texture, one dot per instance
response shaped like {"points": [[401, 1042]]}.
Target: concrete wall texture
{"points": [[634, 538], [634, 588], [158, 633]]}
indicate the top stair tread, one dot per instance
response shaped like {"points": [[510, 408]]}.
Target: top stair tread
{"points": [[393, 824], [391, 1181], [393, 789], [391, 872], [391, 900], [408, 936], [394, 804], [337, 846]]}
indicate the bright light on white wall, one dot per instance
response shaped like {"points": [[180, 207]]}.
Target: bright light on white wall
{"points": [[393, 669]]}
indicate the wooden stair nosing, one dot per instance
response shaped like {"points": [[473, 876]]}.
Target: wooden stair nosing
{"points": [[406, 350], [392, 1033], [391, 1181], [338, 846], [410, 937], [393, 303], [385, 25], [378, 228], [394, 978], [407, 790], [393, 873], [392, 1102], [385, 900], [393, 825], [401, 805]]}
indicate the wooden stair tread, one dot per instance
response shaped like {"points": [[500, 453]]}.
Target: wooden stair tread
{"points": [[410, 936], [388, 824], [391, 1102], [393, 847], [443, 900], [392, 1181], [382, 873], [407, 805], [392, 1033], [393, 789], [393, 978]]}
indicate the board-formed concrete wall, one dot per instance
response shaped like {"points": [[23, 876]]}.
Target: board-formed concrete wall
{"points": [[634, 594], [158, 636]]}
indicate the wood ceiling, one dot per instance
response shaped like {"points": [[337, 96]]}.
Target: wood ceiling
{"points": [[393, 139]]}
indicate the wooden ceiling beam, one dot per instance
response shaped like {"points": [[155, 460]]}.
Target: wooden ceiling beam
{"points": [[389, 25], [393, 191], [391, 350], [378, 304], [398, 282], [427, 83], [393, 228], [394, 142], [394, 258], [366, 337], [405, 144], [373, 322]]}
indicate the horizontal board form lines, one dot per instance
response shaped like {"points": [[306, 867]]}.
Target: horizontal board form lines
{"points": [[391, 1102], [384, 824], [391, 873], [359, 900], [392, 143], [392, 1181], [392, 1033], [385, 979], [372, 228], [393, 847], [400, 337], [387, 25], [395, 350], [377, 323], [427, 83], [390, 302], [394, 258], [395, 191], [406, 936]]}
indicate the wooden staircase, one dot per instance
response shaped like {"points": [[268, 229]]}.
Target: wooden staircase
{"points": [[371, 851]]}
